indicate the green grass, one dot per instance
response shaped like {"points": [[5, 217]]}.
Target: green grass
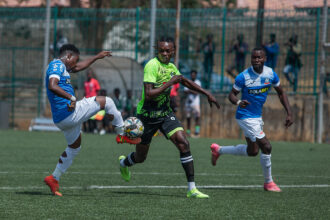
{"points": [[27, 157]]}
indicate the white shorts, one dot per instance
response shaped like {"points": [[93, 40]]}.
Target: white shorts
{"points": [[192, 110], [252, 128], [71, 125]]}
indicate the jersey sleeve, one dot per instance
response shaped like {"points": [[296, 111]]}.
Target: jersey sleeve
{"points": [[239, 82], [56, 70], [150, 72], [276, 80]]}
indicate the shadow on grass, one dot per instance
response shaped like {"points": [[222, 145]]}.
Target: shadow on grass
{"points": [[34, 193], [147, 193]]}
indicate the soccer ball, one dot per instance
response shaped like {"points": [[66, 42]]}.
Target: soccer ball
{"points": [[133, 127]]}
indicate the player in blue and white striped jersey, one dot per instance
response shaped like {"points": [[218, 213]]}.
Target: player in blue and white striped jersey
{"points": [[255, 83]]}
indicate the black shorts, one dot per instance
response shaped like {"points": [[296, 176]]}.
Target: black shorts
{"points": [[168, 125]]}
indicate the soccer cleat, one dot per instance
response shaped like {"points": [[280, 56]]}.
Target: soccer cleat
{"points": [[272, 187], [194, 193], [125, 173], [53, 185], [124, 139], [215, 153]]}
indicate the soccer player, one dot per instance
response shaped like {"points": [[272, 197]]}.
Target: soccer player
{"points": [[254, 83], [192, 105], [68, 113], [155, 113]]}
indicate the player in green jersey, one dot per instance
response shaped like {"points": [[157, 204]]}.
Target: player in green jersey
{"points": [[155, 112]]}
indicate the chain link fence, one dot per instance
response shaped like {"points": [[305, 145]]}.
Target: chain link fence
{"points": [[126, 32]]}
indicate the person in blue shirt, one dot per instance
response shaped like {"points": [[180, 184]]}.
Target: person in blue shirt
{"points": [[255, 83], [68, 113], [272, 49]]}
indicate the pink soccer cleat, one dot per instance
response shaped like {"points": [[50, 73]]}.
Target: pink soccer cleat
{"points": [[272, 187], [215, 153]]}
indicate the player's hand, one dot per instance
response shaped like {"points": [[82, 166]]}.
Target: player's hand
{"points": [[175, 79], [244, 103], [211, 99], [72, 106], [103, 54], [288, 121]]}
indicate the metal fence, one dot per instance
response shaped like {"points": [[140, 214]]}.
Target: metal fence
{"points": [[126, 32]]}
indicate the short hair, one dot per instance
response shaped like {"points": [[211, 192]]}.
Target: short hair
{"points": [[116, 90], [165, 39], [69, 48], [259, 49], [193, 71]]}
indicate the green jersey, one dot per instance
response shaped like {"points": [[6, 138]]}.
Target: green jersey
{"points": [[158, 74]]}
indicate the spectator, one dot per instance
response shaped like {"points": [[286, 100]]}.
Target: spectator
{"points": [[208, 50], [92, 88], [241, 48], [174, 98], [129, 105], [118, 100], [272, 50], [292, 61], [192, 105], [59, 42]]}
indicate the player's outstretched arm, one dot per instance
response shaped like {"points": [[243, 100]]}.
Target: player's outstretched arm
{"points": [[86, 63], [193, 86], [151, 92], [285, 102]]}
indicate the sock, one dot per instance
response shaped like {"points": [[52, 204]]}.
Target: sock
{"points": [[128, 161], [119, 130], [197, 129], [234, 150], [266, 165], [191, 185], [110, 108], [57, 173], [188, 165], [65, 161]]}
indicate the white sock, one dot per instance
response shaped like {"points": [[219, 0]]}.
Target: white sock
{"points": [[234, 150], [71, 153], [191, 185], [57, 173], [266, 165], [110, 108]]}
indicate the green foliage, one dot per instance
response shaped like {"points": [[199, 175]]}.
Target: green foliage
{"points": [[27, 157]]}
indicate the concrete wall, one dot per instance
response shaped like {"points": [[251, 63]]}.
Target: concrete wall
{"points": [[222, 124]]}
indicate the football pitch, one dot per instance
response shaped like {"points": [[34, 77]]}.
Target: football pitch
{"points": [[93, 189]]}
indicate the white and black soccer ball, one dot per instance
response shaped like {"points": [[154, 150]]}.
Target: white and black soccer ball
{"points": [[133, 127]]}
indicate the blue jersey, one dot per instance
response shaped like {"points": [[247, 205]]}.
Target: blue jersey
{"points": [[58, 104], [254, 88]]}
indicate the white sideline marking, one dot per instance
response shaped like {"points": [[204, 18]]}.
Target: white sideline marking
{"points": [[162, 187], [160, 174]]}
